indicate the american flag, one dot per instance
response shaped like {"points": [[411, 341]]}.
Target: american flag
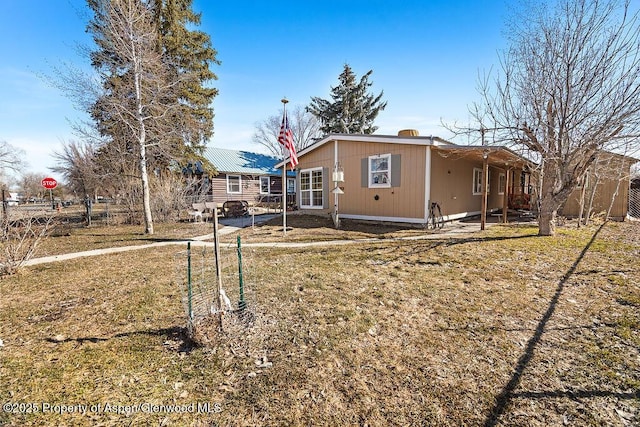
{"points": [[286, 139]]}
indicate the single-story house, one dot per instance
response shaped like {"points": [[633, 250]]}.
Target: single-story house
{"points": [[244, 175], [396, 178]]}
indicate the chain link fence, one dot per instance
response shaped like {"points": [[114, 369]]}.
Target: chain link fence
{"points": [[216, 303], [634, 202]]}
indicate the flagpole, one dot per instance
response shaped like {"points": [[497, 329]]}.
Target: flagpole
{"points": [[284, 172]]}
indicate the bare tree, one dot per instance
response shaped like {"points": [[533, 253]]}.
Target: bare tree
{"points": [[304, 126], [76, 163], [10, 157], [31, 185], [136, 81], [569, 88]]}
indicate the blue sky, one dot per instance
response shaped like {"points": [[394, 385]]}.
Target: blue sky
{"points": [[425, 55]]}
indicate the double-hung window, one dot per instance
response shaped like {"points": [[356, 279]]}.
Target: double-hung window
{"points": [[311, 189], [233, 184], [380, 171], [478, 181], [502, 183]]}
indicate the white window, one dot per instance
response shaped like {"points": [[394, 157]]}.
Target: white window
{"points": [[311, 196], [477, 182], [265, 185], [380, 171], [502, 183], [233, 184]]}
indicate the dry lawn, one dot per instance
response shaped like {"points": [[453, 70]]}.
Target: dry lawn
{"points": [[76, 237], [498, 328]]}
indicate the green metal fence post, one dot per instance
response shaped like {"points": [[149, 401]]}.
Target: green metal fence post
{"points": [[189, 291]]}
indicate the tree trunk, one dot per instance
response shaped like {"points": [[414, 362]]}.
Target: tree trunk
{"points": [[142, 140], [146, 198], [548, 205], [547, 219]]}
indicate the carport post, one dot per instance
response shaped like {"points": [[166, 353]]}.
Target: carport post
{"points": [[505, 196]]}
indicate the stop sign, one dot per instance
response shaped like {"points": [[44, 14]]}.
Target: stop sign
{"points": [[49, 183]]}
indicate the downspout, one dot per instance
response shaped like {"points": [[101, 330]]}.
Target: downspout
{"points": [[335, 194], [427, 182]]}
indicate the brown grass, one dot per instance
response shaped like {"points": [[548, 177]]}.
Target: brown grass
{"points": [[76, 237], [498, 328]]}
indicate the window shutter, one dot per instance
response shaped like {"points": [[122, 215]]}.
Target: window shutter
{"points": [[395, 170], [325, 188], [364, 172]]}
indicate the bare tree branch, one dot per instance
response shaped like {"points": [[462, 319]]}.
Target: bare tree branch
{"points": [[568, 88], [304, 126]]}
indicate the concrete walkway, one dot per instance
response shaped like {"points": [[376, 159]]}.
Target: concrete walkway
{"points": [[231, 225]]}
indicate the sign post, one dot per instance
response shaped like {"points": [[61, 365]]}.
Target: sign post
{"points": [[50, 184]]}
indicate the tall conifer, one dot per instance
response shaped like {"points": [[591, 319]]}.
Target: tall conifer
{"points": [[352, 108]]}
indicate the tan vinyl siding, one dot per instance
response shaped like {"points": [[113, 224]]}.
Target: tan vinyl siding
{"points": [[450, 177], [452, 185], [604, 192], [405, 201], [610, 171]]}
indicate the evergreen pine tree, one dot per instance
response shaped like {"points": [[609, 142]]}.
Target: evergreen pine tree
{"points": [[189, 54], [352, 109]]}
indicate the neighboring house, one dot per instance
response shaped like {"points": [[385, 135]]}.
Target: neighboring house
{"points": [[395, 178], [607, 183], [243, 175]]}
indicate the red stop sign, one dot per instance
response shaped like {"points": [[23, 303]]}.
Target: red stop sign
{"points": [[49, 183]]}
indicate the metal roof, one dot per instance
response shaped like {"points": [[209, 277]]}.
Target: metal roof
{"points": [[241, 162]]}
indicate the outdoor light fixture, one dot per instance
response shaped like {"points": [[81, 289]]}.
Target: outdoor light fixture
{"points": [[337, 178], [338, 173]]}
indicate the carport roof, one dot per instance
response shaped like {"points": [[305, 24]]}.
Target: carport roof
{"points": [[496, 154]]}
